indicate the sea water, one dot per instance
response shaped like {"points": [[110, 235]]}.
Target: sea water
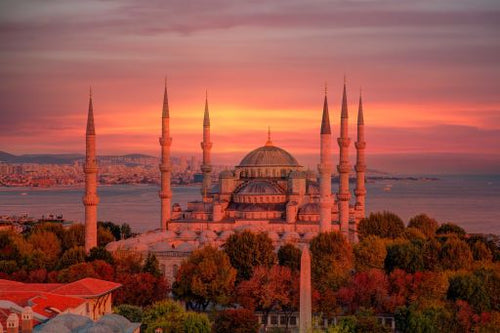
{"points": [[473, 202]]}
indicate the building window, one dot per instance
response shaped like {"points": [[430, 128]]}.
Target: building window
{"points": [[282, 320], [293, 321], [274, 320]]}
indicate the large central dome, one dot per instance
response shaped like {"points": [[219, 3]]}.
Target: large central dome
{"points": [[268, 155]]}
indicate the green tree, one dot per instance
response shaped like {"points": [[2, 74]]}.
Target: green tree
{"points": [[74, 236], [480, 251], [47, 248], [172, 318], [434, 319], [370, 253], [332, 260], [100, 253], [205, 277], [406, 255], [8, 247], [427, 225], [383, 225], [72, 256], [450, 229], [289, 256], [126, 231], [131, 312], [455, 254], [152, 265], [236, 321], [114, 229], [247, 250], [104, 236]]}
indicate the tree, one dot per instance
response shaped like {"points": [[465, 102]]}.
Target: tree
{"points": [[126, 231], [411, 233], [332, 260], [127, 262], [100, 253], [370, 253], [96, 269], [289, 256], [236, 321], [480, 251], [172, 318], [8, 247], [140, 289], [434, 319], [470, 288], [206, 277], [449, 229], [270, 289], [131, 312], [47, 248], [114, 229], [406, 255], [455, 254], [383, 225], [152, 265], [72, 256], [104, 236], [74, 236], [247, 250], [366, 290], [430, 254], [424, 223]]}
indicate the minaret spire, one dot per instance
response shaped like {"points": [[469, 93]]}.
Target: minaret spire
{"points": [[165, 140], [343, 167], [206, 146], [325, 170], [360, 167], [90, 198]]}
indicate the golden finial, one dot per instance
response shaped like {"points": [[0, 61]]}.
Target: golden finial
{"points": [[269, 142]]}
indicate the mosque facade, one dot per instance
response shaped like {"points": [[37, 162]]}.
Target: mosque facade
{"points": [[267, 191]]}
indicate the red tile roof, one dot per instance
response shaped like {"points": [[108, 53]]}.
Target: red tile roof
{"points": [[87, 288]]}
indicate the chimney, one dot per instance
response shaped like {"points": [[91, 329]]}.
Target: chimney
{"points": [[13, 323], [27, 320]]}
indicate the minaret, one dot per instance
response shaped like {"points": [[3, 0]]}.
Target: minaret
{"points": [[360, 144], [206, 145], [165, 193], [90, 199], [325, 171], [343, 168]]}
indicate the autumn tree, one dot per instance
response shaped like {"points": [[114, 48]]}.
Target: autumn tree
{"points": [[370, 253], [46, 248], [332, 260], [236, 321], [131, 312], [455, 254], [425, 224], [205, 277], [140, 289], [127, 262], [97, 269], [447, 229], [289, 256], [152, 265], [480, 251], [104, 236], [100, 253], [74, 236], [383, 225], [72, 256], [247, 250], [269, 289]]}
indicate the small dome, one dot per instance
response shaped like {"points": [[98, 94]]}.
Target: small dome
{"points": [[184, 247], [113, 246], [290, 236], [258, 187], [309, 235], [140, 247], [310, 208], [168, 234], [273, 235], [226, 174], [161, 247], [188, 235], [268, 155], [225, 235], [208, 234]]}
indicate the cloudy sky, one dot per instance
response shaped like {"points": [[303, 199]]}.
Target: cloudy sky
{"points": [[429, 71]]}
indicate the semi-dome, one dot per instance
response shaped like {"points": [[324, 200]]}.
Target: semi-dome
{"points": [[259, 188], [268, 155]]}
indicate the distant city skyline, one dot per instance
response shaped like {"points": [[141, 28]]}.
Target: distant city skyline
{"points": [[429, 73]]}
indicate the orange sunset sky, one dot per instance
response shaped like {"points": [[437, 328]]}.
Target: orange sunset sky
{"points": [[429, 70]]}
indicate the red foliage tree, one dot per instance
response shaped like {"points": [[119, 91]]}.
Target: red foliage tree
{"points": [[140, 289]]}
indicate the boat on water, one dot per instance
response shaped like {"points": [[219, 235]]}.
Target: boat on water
{"points": [[387, 187]]}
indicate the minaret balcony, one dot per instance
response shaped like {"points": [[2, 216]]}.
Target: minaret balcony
{"points": [[90, 169], [90, 200], [360, 145], [360, 167], [324, 168], [165, 194], [344, 167], [344, 142], [344, 196], [165, 141], [206, 145], [206, 168], [360, 192], [165, 167]]}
